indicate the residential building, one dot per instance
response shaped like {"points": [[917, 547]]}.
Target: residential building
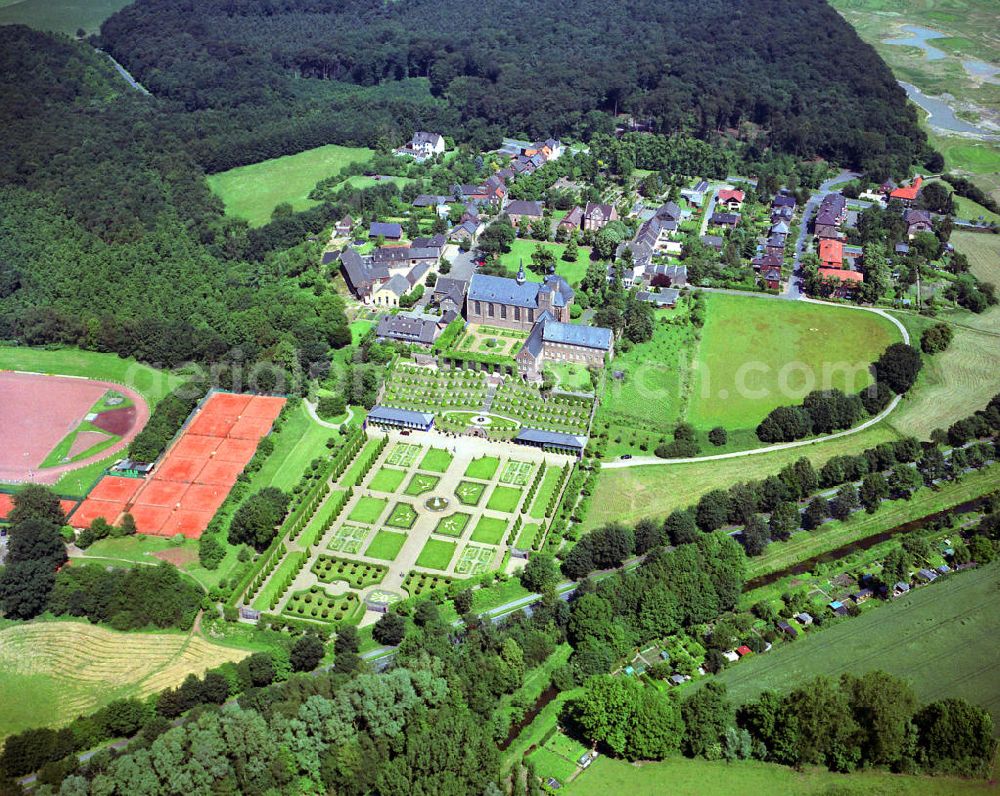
{"points": [[522, 211], [917, 221], [422, 146], [551, 341], [596, 216], [407, 328], [908, 194], [831, 253], [394, 257], [388, 294], [389, 231], [572, 220], [343, 227], [724, 220], [731, 199], [361, 274]]}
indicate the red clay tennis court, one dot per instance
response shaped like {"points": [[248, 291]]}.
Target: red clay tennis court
{"points": [[7, 503], [194, 477]]}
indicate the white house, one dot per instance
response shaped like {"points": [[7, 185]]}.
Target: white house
{"points": [[422, 146]]}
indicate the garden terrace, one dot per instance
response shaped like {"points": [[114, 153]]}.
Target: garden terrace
{"points": [[431, 390], [317, 604], [483, 339], [356, 574], [569, 414]]}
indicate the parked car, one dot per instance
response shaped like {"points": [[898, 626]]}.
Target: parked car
{"points": [[626, 456]]}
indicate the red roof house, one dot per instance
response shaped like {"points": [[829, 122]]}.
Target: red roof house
{"points": [[831, 253], [731, 198], [744, 650], [909, 193]]}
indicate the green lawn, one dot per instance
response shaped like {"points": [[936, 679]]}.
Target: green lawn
{"points": [[403, 516], [359, 329], [483, 468], [387, 480], [437, 554], [437, 460], [699, 777], [756, 354], [296, 444], [941, 638], [421, 483], [489, 530], [504, 499], [545, 491], [469, 493], [368, 510], [252, 192], [522, 249], [453, 524], [571, 377], [386, 545], [141, 550], [62, 16]]}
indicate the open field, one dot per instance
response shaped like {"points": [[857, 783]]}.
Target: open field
{"points": [[51, 672], [522, 249], [296, 444], [63, 16], [941, 638], [756, 355], [698, 777], [252, 192]]}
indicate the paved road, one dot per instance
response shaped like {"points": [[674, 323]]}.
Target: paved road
{"points": [[641, 461], [709, 211], [793, 288]]}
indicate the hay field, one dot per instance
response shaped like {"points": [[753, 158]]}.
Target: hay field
{"points": [[51, 672]]}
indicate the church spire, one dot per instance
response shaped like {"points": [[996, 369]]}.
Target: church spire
{"points": [[521, 278]]}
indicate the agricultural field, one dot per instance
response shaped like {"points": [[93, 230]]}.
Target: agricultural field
{"points": [[757, 354], [61, 16], [51, 672], [522, 249], [252, 192], [919, 637], [699, 777]]}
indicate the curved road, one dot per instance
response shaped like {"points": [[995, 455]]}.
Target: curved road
{"points": [[311, 409], [643, 461]]}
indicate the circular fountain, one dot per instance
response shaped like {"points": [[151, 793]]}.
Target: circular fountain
{"points": [[436, 503]]}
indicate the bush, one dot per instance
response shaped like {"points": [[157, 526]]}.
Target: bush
{"points": [[718, 436], [936, 339]]}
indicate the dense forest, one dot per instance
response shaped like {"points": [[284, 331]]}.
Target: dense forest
{"points": [[111, 239], [260, 79]]}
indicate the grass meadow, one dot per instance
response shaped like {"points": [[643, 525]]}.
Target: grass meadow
{"points": [[252, 192], [680, 776], [522, 249], [51, 672], [941, 638], [62, 16], [758, 354]]}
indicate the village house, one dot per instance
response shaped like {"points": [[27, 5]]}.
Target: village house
{"points": [[712, 242], [666, 297], [389, 231], [831, 253], [771, 278], [843, 281], [908, 194], [522, 211], [388, 294], [596, 216], [729, 220], [917, 221], [572, 220], [465, 231], [449, 294], [731, 199], [361, 274], [422, 146], [406, 257], [342, 228], [696, 194]]}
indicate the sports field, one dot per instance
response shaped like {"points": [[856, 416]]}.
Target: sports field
{"points": [[55, 424], [62, 16], [51, 672], [756, 354], [699, 777], [942, 638], [252, 192]]}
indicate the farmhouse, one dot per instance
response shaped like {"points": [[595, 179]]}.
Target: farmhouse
{"points": [[908, 194], [596, 216], [406, 256], [422, 146], [361, 274], [389, 293]]}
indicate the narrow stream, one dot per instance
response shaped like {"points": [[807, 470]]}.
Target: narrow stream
{"points": [[866, 543], [544, 698]]}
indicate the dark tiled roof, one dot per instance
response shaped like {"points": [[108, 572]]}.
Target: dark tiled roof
{"points": [[574, 334], [665, 298], [522, 207], [502, 290], [670, 210], [383, 228], [534, 435], [406, 328], [724, 218], [397, 254]]}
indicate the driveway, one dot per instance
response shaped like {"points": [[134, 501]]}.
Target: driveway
{"points": [[793, 288], [462, 266]]}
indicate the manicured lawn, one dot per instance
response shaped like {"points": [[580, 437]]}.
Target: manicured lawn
{"points": [[252, 192], [482, 468], [296, 444], [489, 530], [437, 554], [359, 329], [469, 493], [545, 491], [521, 250], [403, 516], [387, 480], [699, 777], [526, 537], [505, 499], [368, 510], [386, 545], [453, 524], [756, 354], [941, 638], [421, 483], [436, 460], [352, 475], [571, 377]]}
